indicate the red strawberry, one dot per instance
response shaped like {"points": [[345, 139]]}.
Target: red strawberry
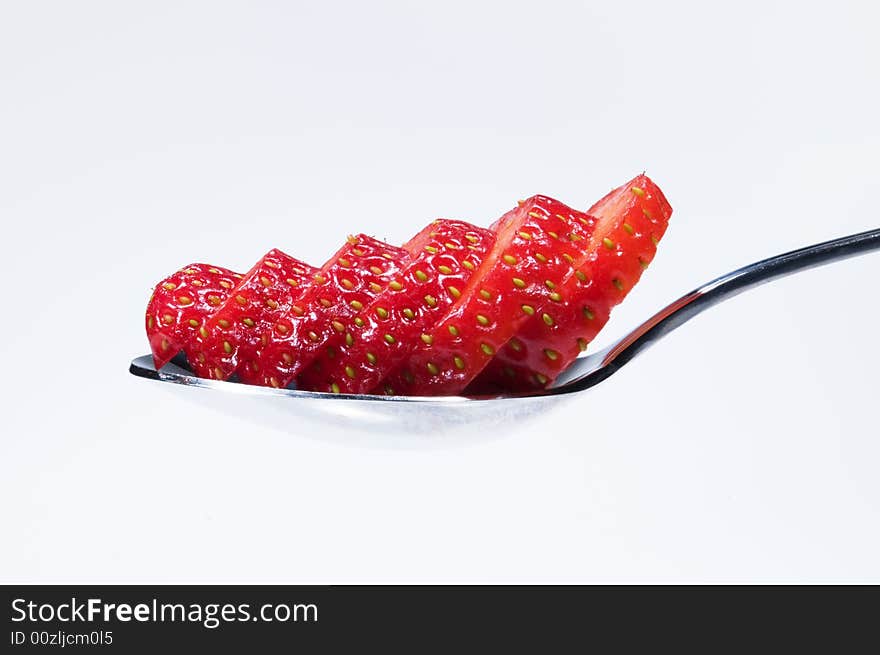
{"points": [[444, 258], [346, 284], [231, 339], [538, 245], [180, 305], [631, 221]]}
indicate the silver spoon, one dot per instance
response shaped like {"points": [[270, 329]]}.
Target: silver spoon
{"points": [[583, 373]]}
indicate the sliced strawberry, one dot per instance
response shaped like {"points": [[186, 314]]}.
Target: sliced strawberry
{"points": [[444, 258], [347, 283], [233, 336], [538, 245], [180, 305], [631, 221]]}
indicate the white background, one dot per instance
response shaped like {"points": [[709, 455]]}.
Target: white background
{"points": [[135, 138]]}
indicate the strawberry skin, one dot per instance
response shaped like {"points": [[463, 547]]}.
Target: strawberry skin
{"points": [[347, 283], [630, 222], [538, 244], [232, 337], [181, 304], [443, 260]]}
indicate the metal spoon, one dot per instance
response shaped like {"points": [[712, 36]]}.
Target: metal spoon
{"points": [[583, 373]]}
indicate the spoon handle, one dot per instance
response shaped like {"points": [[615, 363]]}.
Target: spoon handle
{"points": [[593, 369]]}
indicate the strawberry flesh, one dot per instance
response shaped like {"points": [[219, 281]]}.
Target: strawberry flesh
{"points": [[444, 258], [457, 308], [181, 304], [630, 222], [232, 338], [538, 244], [351, 279]]}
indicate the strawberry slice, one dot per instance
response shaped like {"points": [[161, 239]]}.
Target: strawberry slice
{"points": [[232, 337], [443, 260], [538, 244], [180, 305], [631, 221], [347, 283]]}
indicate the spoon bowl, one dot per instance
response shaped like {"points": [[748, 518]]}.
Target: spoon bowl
{"points": [[391, 416]]}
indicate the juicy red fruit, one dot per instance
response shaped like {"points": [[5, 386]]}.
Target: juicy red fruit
{"points": [[630, 222], [457, 307], [181, 304], [537, 246], [443, 260], [349, 281], [231, 339]]}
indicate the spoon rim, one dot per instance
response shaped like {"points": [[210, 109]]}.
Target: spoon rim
{"points": [[143, 367]]}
